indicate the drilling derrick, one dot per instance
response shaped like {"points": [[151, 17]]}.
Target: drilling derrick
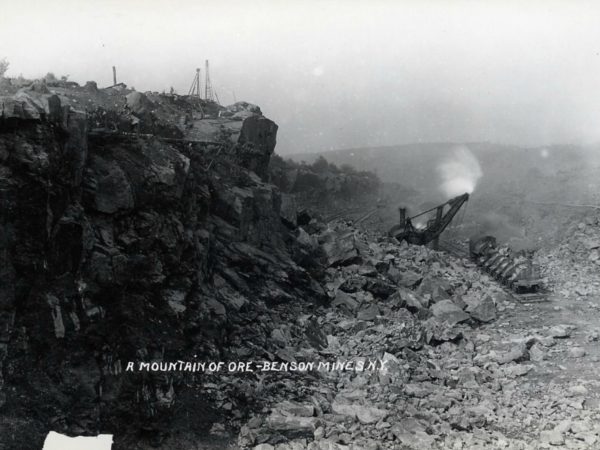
{"points": [[209, 92]]}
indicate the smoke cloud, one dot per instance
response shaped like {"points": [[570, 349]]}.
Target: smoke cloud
{"points": [[460, 172]]}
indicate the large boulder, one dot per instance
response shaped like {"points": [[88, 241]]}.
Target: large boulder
{"points": [[257, 141], [447, 311], [409, 279], [289, 425], [412, 434], [241, 107], [436, 288], [28, 104], [368, 313], [482, 309], [366, 414], [436, 330], [139, 104], [410, 300], [341, 248]]}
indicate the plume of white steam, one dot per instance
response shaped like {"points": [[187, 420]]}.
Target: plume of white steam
{"points": [[460, 172]]}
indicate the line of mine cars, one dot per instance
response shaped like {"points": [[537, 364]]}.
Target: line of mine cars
{"points": [[515, 270]]}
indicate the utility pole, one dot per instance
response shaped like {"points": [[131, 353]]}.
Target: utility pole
{"points": [[114, 76]]}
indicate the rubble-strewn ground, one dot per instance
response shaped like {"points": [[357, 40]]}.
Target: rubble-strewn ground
{"points": [[506, 375]]}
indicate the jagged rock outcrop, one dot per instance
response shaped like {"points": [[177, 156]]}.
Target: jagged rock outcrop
{"points": [[257, 138], [117, 246]]}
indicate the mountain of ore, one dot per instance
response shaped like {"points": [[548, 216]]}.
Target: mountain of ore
{"points": [[134, 227]]}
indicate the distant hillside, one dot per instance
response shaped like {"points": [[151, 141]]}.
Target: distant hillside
{"points": [[510, 199], [415, 165]]}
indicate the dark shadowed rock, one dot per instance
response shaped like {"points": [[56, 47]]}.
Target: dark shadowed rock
{"points": [[288, 210], [303, 217], [315, 335], [353, 284], [379, 288], [108, 186], [118, 247], [306, 240], [344, 300], [257, 138]]}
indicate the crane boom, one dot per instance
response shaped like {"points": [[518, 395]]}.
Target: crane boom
{"points": [[406, 231]]}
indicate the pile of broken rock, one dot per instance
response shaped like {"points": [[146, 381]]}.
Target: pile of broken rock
{"points": [[418, 313], [573, 264]]}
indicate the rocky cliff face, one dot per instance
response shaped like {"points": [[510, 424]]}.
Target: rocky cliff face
{"points": [[132, 229], [323, 188]]}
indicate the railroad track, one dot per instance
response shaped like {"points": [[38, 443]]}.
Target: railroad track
{"points": [[454, 248], [357, 215], [537, 297], [346, 214]]}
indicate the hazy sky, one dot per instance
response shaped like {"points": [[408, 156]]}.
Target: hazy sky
{"points": [[337, 74]]}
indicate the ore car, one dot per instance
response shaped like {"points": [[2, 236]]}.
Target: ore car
{"points": [[515, 270]]}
